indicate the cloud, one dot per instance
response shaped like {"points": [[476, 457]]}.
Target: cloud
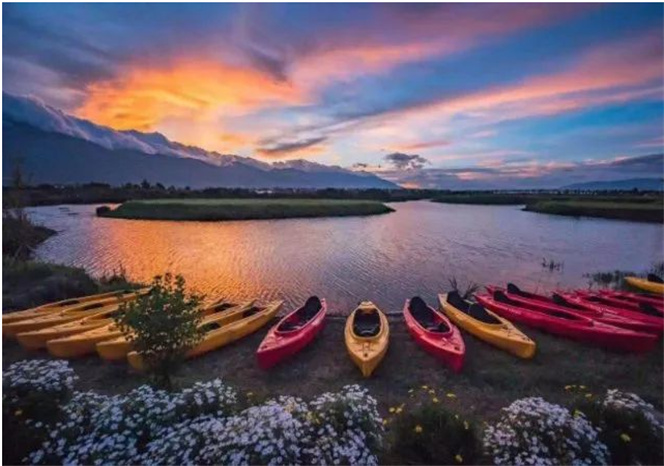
{"points": [[426, 144], [403, 161], [530, 174], [290, 148]]}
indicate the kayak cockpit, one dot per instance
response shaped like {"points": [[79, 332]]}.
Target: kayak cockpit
{"points": [[474, 310], [366, 322], [654, 278], [301, 316], [426, 317]]}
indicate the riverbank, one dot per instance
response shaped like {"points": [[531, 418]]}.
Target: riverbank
{"points": [[242, 209], [643, 207], [639, 212], [490, 380]]}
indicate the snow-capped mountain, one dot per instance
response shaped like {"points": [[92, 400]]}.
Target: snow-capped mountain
{"points": [[61, 148]]}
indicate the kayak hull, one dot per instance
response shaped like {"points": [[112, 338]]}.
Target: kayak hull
{"points": [[448, 347], [573, 326], [367, 352], [503, 335], [66, 305], [279, 345], [646, 285], [81, 344], [116, 349], [226, 334]]}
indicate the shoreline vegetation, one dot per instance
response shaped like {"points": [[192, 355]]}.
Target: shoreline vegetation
{"points": [[242, 209], [639, 207]]}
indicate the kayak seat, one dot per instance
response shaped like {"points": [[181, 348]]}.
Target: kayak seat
{"points": [[425, 316], [366, 324], [562, 302], [310, 309], [650, 310], [474, 310], [654, 278], [477, 311], [288, 326], [513, 289], [502, 297]]}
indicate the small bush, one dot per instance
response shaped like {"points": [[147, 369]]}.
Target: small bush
{"points": [[429, 433], [162, 325], [532, 431], [102, 210], [628, 426], [32, 395]]}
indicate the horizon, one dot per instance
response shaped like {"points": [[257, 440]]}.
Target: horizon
{"points": [[425, 96]]}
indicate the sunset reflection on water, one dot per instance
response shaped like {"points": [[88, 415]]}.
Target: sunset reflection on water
{"points": [[385, 258]]}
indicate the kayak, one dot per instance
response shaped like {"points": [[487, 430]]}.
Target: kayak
{"points": [[570, 303], [65, 305], [636, 298], [645, 318], [367, 335], [52, 319], [652, 284], [295, 331], [219, 333], [83, 343], [37, 339], [486, 325], [116, 349], [568, 324], [434, 333], [49, 319]]}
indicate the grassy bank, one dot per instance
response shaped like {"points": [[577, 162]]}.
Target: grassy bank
{"points": [[243, 209], [491, 379], [642, 212], [644, 207]]}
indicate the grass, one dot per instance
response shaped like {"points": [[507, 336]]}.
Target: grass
{"points": [[643, 212], [490, 380], [243, 209]]}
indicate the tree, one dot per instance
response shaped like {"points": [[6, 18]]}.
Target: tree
{"points": [[162, 325]]}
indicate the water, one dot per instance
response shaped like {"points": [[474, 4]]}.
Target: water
{"points": [[385, 258]]}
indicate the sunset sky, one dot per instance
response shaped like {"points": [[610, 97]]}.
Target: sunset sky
{"points": [[422, 94]]}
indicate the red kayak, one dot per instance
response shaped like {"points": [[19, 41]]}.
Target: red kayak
{"points": [[644, 314], [618, 298], [568, 324], [292, 333], [434, 332], [565, 302]]}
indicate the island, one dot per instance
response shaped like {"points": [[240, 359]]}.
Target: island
{"points": [[242, 209]]}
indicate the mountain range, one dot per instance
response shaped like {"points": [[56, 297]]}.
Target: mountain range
{"points": [[56, 148]]}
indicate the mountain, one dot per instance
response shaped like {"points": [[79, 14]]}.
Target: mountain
{"points": [[58, 148], [642, 184]]}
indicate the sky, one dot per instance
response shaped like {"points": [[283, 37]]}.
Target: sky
{"points": [[427, 95]]}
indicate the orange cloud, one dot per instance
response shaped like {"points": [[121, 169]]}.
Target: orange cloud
{"points": [[190, 91], [425, 144]]}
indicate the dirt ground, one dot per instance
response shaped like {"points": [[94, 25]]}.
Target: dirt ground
{"points": [[491, 378]]}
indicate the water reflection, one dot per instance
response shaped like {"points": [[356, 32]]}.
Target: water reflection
{"points": [[385, 258]]}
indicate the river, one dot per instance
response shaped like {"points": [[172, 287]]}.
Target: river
{"points": [[386, 258]]}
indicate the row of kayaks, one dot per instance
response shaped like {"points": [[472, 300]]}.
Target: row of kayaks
{"points": [[617, 320]]}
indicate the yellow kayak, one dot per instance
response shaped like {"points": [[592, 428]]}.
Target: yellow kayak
{"points": [[367, 336], [52, 319], [52, 309], [219, 333], [36, 339], [650, 284], [65, 305], [486, 325], [117, 347]]}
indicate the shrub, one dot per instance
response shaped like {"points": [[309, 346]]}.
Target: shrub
{"points": [[102, 210], [628, 426], [118, 429], [162, 325], [32, 395], [423, 431], [532, 431], [347, 428]]}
